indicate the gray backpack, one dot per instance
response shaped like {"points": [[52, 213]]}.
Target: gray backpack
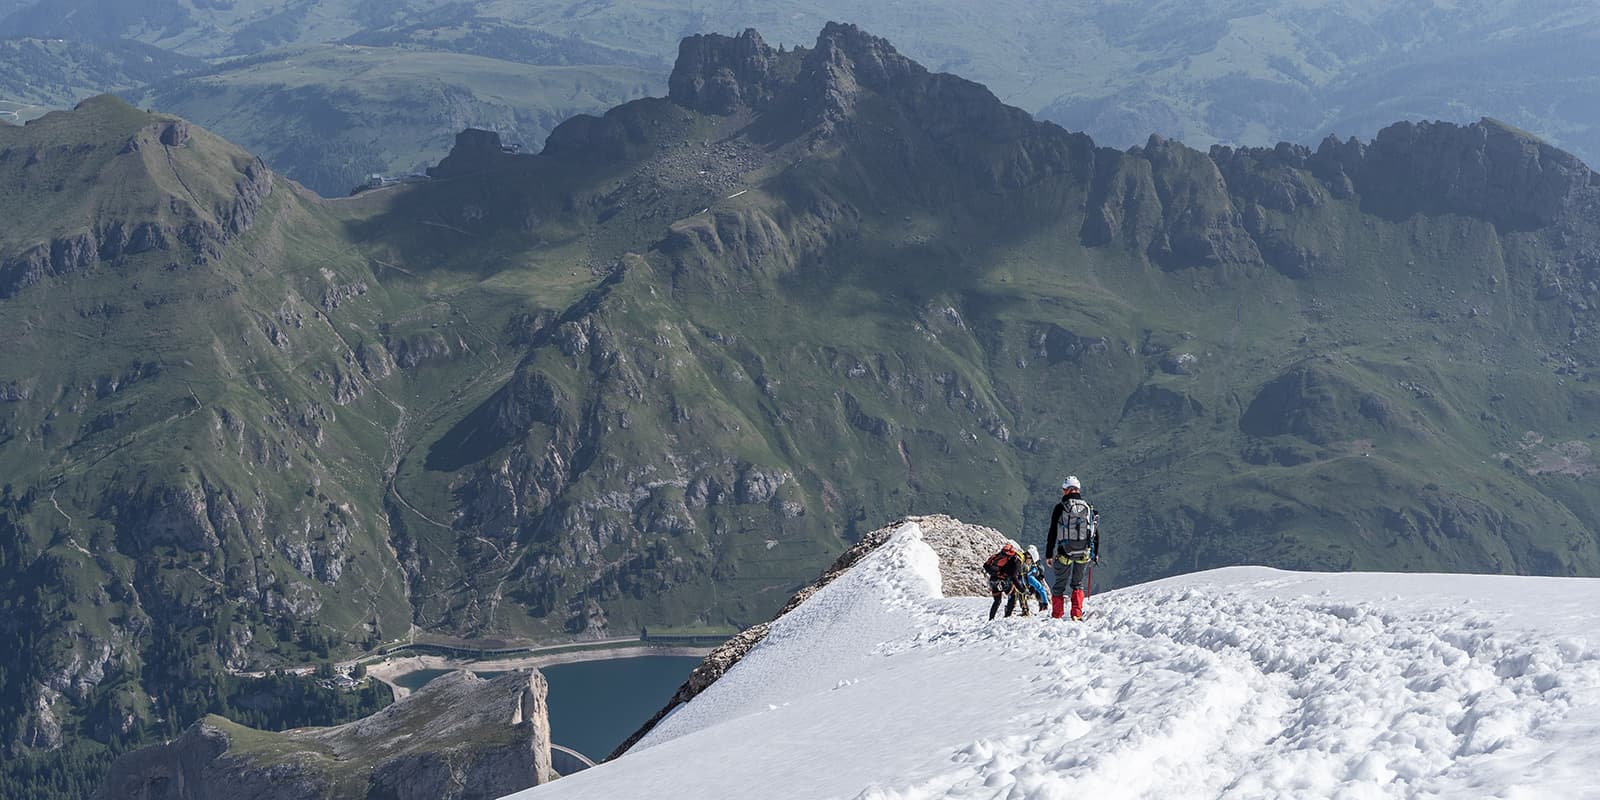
{"points": [[1078, 521]]}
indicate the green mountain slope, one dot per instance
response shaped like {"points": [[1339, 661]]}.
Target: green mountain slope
{"points": [[330, 115], [663, 371], [201, 27], [37, 75], [141, 255]]}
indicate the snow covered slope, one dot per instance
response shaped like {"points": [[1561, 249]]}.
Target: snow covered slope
{"points": [[1241, 682]]}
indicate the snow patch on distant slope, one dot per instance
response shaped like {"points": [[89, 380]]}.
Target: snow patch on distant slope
{"points": [[1242, 682]]}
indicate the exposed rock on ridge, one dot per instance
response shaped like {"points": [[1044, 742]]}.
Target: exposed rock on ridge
{"points": [[717, 74], [1180, 207], [1169, 202], [475, 150], [1485, 169]]}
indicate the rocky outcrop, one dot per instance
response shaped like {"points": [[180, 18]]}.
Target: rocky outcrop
{"points": [[111, 242], [475, 150], [847, 62], [414, 351], [1169, 202], [717, 74], [459, 737], [962, 549], [175, 515], [236, 213], [1322, 407], [529, 398], [175, 134], [1183, 208], [1487, 170]]}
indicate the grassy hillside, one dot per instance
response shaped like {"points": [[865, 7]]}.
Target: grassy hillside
{"points": [[330, 115], [460, 29], [661, 372], [37, 75]]}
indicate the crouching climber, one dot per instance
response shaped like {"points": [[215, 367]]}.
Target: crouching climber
{"points": [[1005, 575], [1033, 573]]}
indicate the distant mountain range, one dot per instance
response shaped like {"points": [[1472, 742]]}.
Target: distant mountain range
{"points": [[329, 116], [664, 370], [1239, 72]]}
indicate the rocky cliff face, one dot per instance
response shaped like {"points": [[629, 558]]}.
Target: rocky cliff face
{"points": [[459, 738], [716, 74], [1486, 169], [1185, 208]]}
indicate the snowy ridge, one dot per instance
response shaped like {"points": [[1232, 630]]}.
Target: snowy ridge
{"points": [[1241, 682]]}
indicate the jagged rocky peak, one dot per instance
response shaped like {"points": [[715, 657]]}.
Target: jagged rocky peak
{"points": [[475, 150], [872, 60], [1184, 208], [718, 74]]}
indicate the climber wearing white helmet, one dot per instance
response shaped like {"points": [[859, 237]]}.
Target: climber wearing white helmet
{"points": [[1033, 575], [1075, 549]]}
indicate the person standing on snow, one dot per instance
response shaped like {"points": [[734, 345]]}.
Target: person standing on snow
{"points": [[1005, 573], [1074, 545], [1033, 573]]}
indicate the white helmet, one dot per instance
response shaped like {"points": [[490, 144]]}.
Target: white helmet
{"points": [[1071, 483], [1033, 552]]}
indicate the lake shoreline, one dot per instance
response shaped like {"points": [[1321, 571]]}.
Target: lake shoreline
{"points": [[389, 670]]}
